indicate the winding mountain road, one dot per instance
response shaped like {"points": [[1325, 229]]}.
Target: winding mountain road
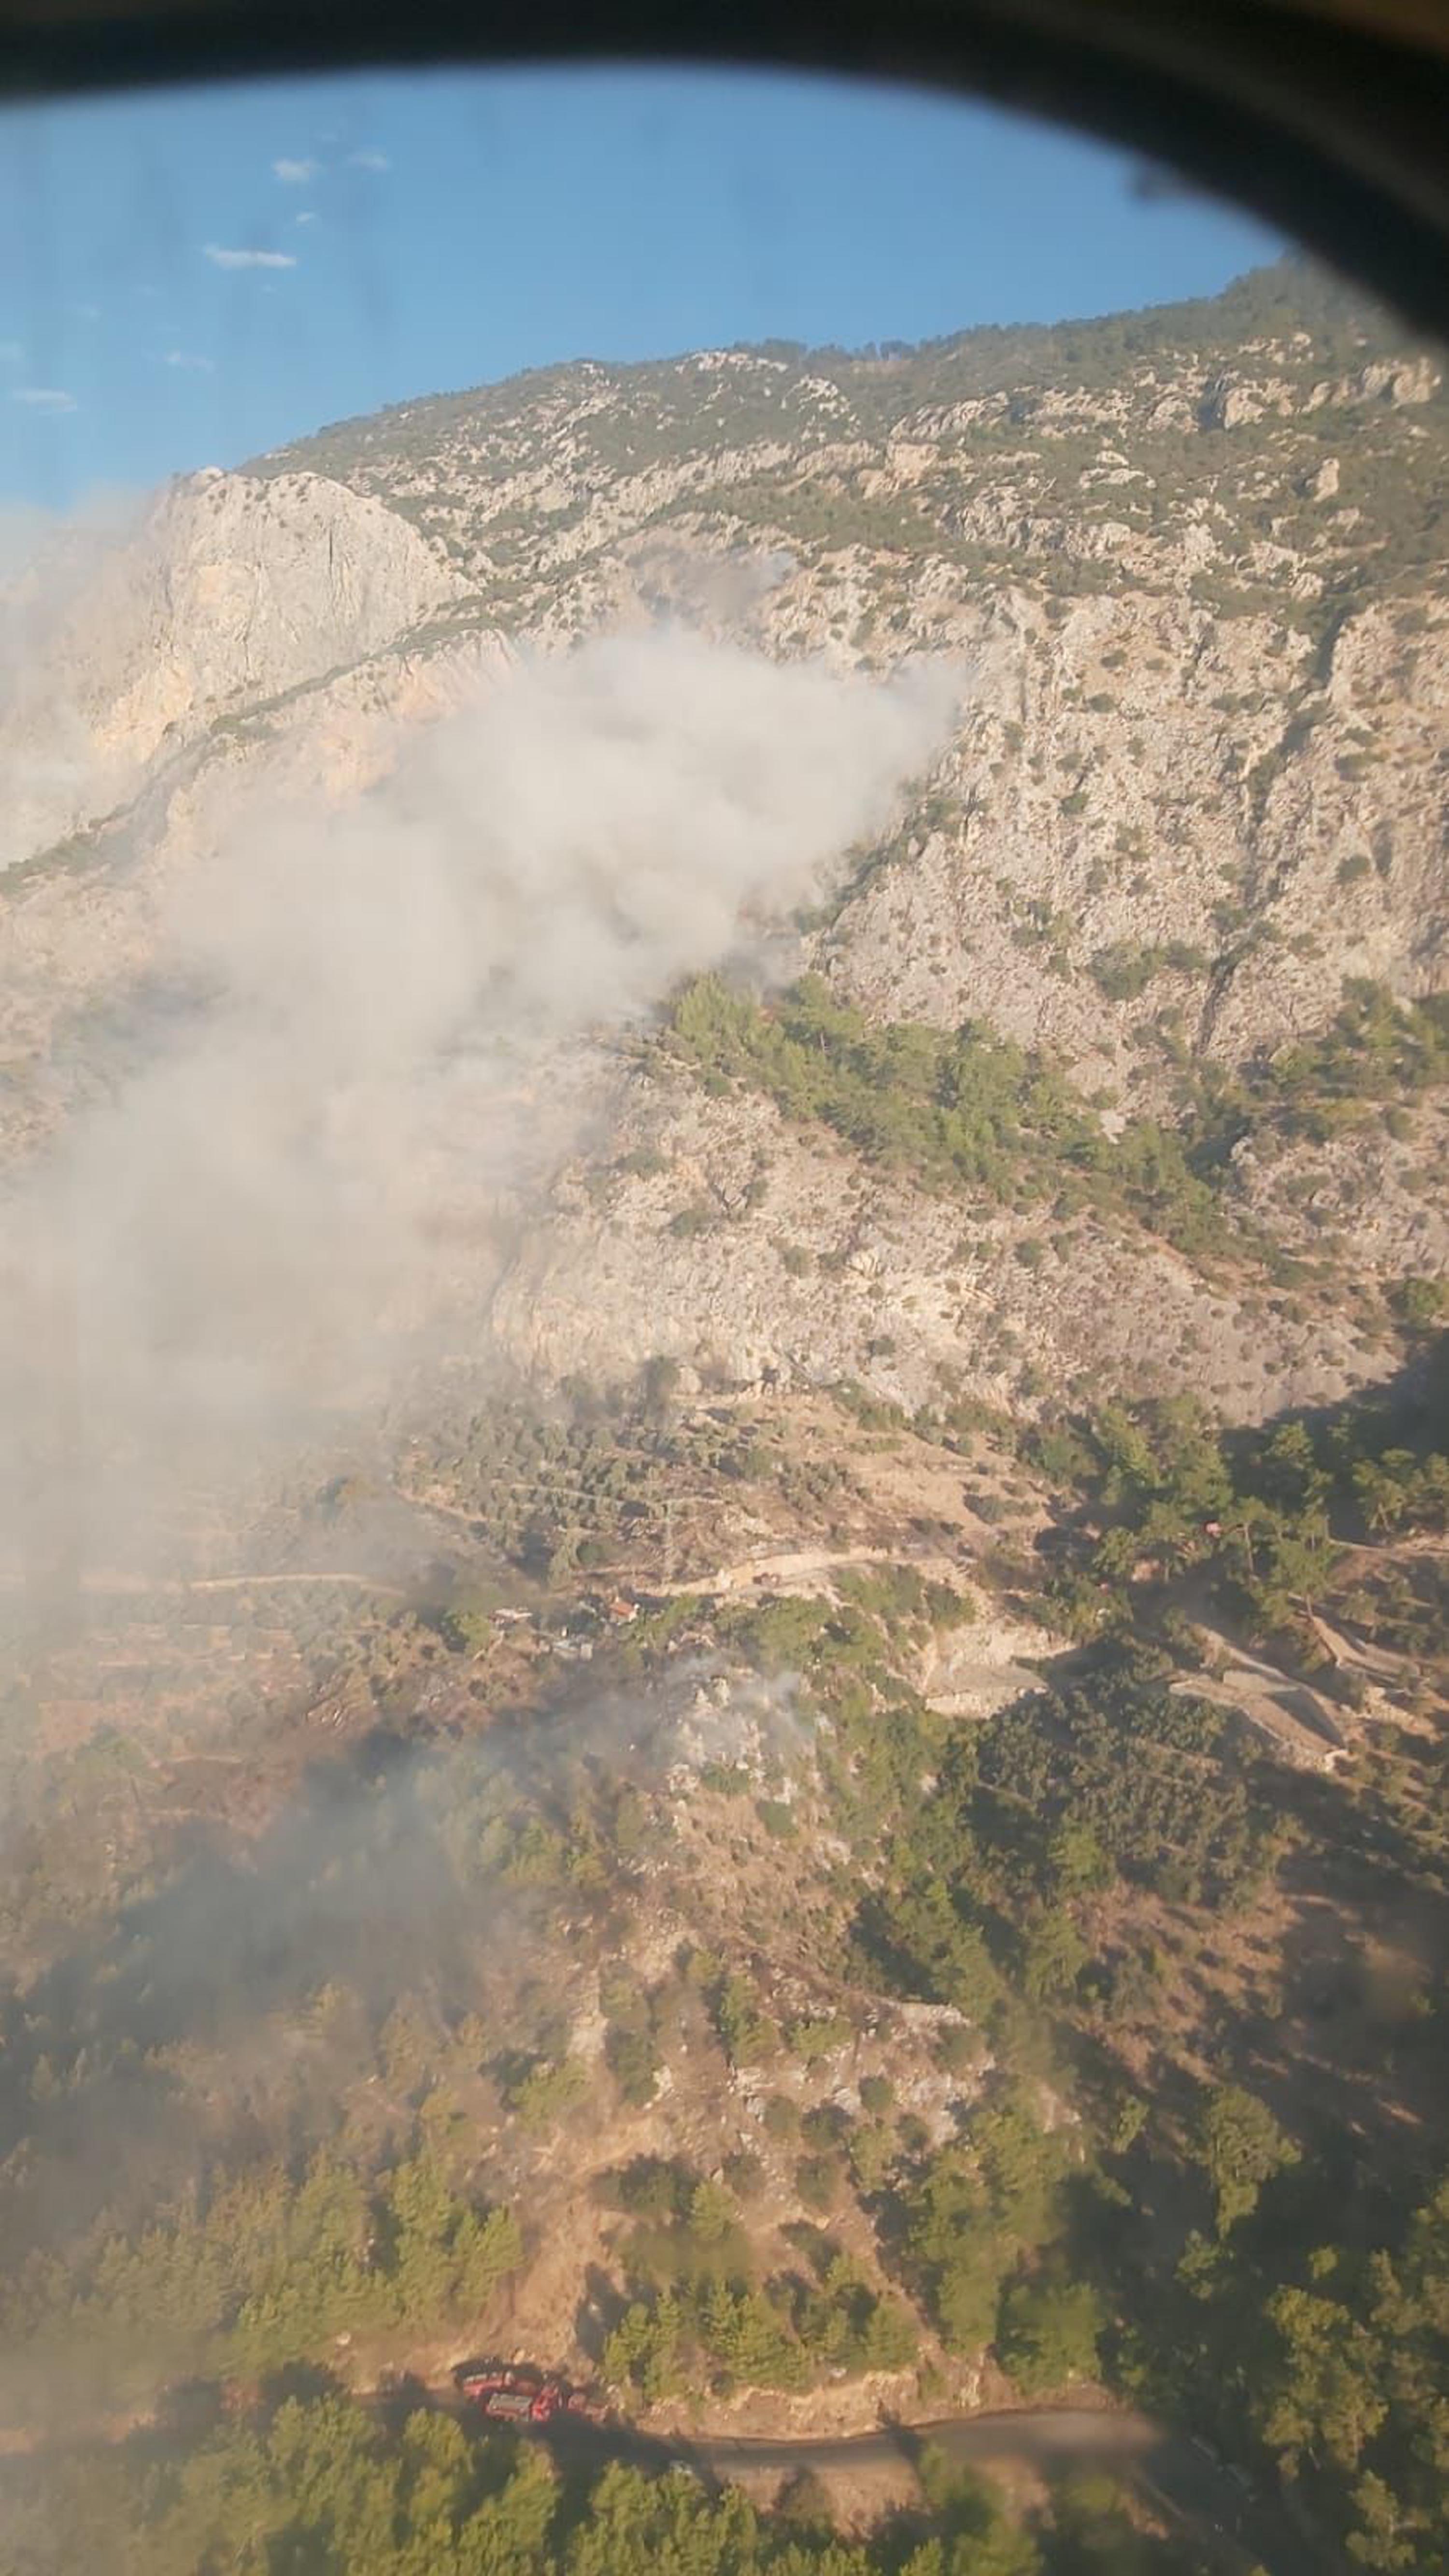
{"points": [[1237, 2528]]}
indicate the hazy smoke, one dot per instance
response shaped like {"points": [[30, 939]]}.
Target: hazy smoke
{"points": [[195, 2031], [55, 771], [359, 1033], [352, 1038]]}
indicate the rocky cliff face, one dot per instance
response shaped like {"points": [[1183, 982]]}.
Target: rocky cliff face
{"points": [[1195, 557], [813, 1269], [1193, 565], [230, 594]]}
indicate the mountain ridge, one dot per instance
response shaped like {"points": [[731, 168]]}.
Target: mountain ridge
{"points": [[1192, 569]]}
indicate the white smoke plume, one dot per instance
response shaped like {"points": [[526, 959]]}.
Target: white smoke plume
{"points": [[53, 769], [359, 1028], [359, 1033]]}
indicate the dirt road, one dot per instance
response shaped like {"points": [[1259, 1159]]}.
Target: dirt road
{"points": [[1236, 2528]]}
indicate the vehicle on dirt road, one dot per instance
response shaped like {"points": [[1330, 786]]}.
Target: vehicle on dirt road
{"points": [[517, 2393]]}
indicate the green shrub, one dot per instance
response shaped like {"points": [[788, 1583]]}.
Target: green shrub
{"points": [[746, 2033], [812, 2040], [781, 2116], [546, 2093], [1047, 2332], [818, 2182]]}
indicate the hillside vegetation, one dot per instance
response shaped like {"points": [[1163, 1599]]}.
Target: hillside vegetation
{"points": [[831, 1807]]}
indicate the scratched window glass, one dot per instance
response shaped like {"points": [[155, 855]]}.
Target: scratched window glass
{"points": [[724, 1421]]}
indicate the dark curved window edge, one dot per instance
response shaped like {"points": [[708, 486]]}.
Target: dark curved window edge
{"points": [[1331, 131]]}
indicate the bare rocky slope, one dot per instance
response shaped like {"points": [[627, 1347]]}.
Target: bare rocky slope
{"points": [[1193, 562]]}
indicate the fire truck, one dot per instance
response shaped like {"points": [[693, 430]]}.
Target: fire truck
{"points": [[515, 2393]]}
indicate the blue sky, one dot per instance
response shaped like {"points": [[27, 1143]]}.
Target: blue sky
{"points": [[188, 278]]}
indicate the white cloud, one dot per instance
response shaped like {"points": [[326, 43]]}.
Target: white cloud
{"points": [[86, 312], [307, 216], [295, 174], [220, 258], [187, 359], [44, 397], [368, 161]]}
